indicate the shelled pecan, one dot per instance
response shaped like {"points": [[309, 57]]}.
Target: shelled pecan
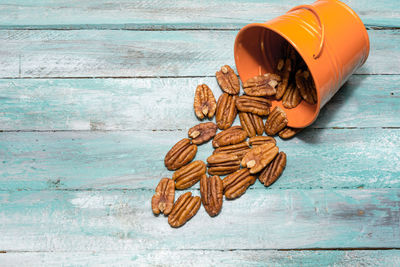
{"points": [[262, 85], [272, 172], [261, 140], [202, 132], [259, 157], [180, 154], [276, 121], [190, 174], [226, 111], [211, 190], [281, 89], [184, 209], [239, 149], [251, 123], [204, 102], [306, 86], [292, 97], [253, 104], [237, 183], [231, 136], [228, 80], [289, 132], [221, 164], [163, 199]]}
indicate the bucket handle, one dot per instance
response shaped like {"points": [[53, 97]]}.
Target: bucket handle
{"points": [[312, 10]]}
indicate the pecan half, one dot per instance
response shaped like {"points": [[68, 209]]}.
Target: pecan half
{"points": [[272, 172], [292, 97], [239, 149], [262, 85], [237, 183], [190, 174], [163, 199], [180, 154], [289, 132], [184, 209], [204, 102], [256, 105], [231, 136], [306, 86], [251, 123], [228, 80], [226, 111], [202, 132], [276, 121], [261, 140], [221, 164], [259, 157], [211, 190]]}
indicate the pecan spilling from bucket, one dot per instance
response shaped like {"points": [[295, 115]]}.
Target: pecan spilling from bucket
{"points": [[163, 199], [251, 123], [221, 164], [292, 97], [262, 85], [211, 190], [259, 157], [238, 149], [306, 86], [228, 80], [289, 132], [202, 132], [237, 183], [276, 121], [226, 111], [184, 209], [261, 140], [253, 104], [190, 174], [231, 136], [272, 172], [204, 102], [180, 154]]}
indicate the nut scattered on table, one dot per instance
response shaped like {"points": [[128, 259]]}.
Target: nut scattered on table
{"points": [[261, 140], [237, 183], [180, 154], [272, 172], [228, 80], [163, 199], [253, 104], [289, 132], [262, 85], [276, 121], [204, 102], [226, 111], [211, 190], [238, 149], [259, 157], [251, 123], [184, 209], [202, 132], [222, 164], [231, 136], [190, 174]]}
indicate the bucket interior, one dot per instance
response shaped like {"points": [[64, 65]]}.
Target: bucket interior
{"points": [[257, 51]]}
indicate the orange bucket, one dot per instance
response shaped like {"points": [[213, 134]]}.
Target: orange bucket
{"points": [[327, 34]]}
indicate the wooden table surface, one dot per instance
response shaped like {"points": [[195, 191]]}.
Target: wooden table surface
{"points": [[94, 93]]}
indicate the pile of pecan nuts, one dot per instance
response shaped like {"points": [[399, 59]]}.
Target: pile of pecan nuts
{"points": [[242, 161]]}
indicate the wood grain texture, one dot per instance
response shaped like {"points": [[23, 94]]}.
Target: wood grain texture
{"points": [[207, 258], [151, 104], [261, 219], [108, 53], [329, 158], [145, 14]]}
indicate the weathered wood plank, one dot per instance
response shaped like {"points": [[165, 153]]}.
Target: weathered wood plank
{"points": [[125, 104], [329, 158], [206, 258], [82, 221], [162, 14], [93, 53]]}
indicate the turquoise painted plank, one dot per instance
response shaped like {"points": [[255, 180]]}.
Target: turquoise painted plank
{"points": [[206, 258], [125, 104], [83, 221], [109, 53], [327, 158], [160, 14]]}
